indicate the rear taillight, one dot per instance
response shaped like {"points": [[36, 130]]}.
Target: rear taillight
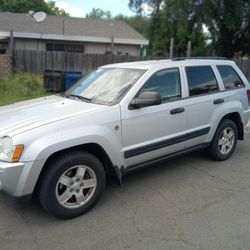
{"points": [[248, 96]]}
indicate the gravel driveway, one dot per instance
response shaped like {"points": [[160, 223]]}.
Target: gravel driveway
{"points": [[188, 203]]}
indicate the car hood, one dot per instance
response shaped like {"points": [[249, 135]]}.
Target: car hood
{"points": [[27, 115]]}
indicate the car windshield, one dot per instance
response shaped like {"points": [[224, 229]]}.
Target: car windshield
{"points": [[105, 85]]}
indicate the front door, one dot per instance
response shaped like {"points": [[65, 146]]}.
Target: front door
{"points": [[152, 132]]}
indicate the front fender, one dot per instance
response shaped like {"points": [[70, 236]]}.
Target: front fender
{"points": [[48, 144], [44, 146]]}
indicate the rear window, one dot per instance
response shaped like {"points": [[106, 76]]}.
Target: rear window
{"points": [[229, 77], [201, 80]]}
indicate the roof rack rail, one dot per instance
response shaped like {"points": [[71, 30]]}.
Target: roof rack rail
{"points": [[203, 57]]}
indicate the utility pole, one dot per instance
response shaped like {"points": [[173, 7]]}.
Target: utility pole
{"points": [[63, 27], [171, 50]]}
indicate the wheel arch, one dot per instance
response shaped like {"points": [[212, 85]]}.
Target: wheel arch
{"points": [[92, 148], [236, 117]]}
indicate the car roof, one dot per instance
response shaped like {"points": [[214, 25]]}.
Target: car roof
{"points": [[169, 63]]}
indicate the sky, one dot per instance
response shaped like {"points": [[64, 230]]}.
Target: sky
{"points": [[79, 8]]}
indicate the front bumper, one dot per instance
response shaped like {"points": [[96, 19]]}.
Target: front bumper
{"points": [[14, 178]]}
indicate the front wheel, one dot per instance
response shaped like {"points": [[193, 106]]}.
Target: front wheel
{"points": [[224, 141], [72, 184]]}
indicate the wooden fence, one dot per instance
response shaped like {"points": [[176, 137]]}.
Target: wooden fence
{"points": [[39, 61], [5, 64], [244, 65]]}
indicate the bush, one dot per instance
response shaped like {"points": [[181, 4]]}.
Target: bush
{"points": [[20, 86]]}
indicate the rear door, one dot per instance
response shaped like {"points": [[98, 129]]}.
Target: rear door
{"points": [[204, 98]]}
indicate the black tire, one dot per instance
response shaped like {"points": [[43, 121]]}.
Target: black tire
{"points": [[56, 169], [215, 149]]}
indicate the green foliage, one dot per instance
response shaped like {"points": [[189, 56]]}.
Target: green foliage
{"points": [[99, 14], [176, 19], [20, 86], [54, 10], [23, 6], [228, 23]]}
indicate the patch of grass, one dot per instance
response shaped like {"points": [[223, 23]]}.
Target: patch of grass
{"points": [[20, 87]]}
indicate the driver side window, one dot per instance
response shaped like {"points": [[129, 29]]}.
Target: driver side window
{"points": [[167, 83]]}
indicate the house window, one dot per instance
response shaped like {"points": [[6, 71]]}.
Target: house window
{"points": [[65, 47], [74, 48], [54, 47]]}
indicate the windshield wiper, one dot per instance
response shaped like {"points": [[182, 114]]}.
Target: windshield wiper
{"points": [[80, 97]]}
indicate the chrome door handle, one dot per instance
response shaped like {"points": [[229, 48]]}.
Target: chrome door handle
{"points": [[177, 111], [218, 101]]}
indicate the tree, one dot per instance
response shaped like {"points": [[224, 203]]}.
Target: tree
{"points": [[99, 14], [173, 18], [23, 6], [54, 10], [229, 25]]}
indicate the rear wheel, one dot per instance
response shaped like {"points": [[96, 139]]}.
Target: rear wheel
{"points": [[72, 184], [224, 141]]}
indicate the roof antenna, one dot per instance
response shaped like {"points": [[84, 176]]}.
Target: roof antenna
{"points": [[37, 17]]}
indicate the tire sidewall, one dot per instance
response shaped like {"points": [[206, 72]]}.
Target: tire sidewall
{"points": [[214, 148], [57, 168]]}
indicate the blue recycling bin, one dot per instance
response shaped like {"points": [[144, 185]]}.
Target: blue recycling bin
{"points": [[70, 78]]}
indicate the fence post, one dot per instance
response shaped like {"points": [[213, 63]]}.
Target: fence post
{"points": [[189, 48], [112, 45], [171, 52]]}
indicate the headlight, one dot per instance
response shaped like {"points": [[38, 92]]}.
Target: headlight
{"points": [[9, 152]]}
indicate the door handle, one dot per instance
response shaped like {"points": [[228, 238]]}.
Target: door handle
{"points": [[177, 111], [218, 101]]}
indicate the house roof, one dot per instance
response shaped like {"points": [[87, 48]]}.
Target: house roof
{"points": [[69, 28]]}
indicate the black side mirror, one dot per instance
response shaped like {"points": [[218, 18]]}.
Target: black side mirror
{"points": [[147, 98]]}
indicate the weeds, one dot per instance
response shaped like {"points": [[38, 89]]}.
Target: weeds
{"points": [[19, 87]]}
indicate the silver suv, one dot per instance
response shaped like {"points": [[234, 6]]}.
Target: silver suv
{"points": [[118, 119]]}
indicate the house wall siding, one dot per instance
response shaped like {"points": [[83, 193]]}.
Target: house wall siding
{"points": [[133, 50], [89, 48], [30, 44], [102, 48]]}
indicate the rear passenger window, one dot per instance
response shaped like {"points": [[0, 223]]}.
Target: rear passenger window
{"points": [[230, 78], [201, 80], [166, 82]]}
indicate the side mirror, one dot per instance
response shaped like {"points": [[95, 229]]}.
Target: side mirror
{"points": [[147, 98]]}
